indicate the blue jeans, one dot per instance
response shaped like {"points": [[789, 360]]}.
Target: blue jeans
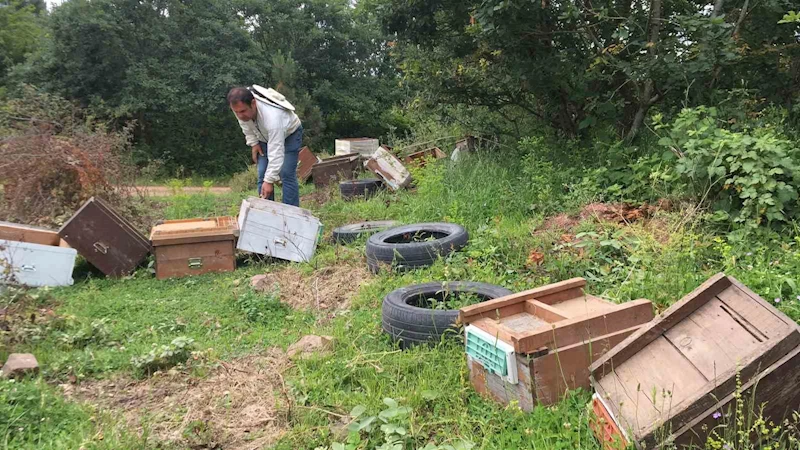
{"points": [[288, 173]]}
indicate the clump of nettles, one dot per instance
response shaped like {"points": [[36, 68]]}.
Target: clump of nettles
{"points": [[176, 352]]}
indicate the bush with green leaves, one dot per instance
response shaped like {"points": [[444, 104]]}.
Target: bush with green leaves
{"points": [[748, 176], [258, 307], [164, 357]]}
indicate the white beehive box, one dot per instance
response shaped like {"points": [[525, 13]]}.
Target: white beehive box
{"points": [[385, 165], [362, 146], [36, 265], [277, 230]]}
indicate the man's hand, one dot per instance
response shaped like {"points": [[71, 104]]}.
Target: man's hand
{"points": [[267, 189], [257, 151]]}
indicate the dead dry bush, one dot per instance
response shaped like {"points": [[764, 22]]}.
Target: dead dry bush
{"points": [[53, 157]]}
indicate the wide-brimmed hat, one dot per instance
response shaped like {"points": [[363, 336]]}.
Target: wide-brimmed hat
{"points": [[271, 97]]}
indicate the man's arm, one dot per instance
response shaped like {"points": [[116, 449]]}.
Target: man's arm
{"points": [[275, 150]]}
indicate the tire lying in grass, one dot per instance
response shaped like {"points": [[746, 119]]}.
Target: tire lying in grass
{"points": [[349, 233], [412, 315], [360, 188], [413, 246]]}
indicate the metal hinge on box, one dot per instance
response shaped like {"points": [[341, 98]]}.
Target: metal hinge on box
{"points": [[495, 356]]}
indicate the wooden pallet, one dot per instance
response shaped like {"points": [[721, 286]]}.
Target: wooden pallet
{"points": [[666, 380]]}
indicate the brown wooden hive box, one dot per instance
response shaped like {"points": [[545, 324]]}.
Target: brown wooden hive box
{"points": [[336, 168], [105, 238], [556, 332], [194, 246], [676, 378], [25, 233]]}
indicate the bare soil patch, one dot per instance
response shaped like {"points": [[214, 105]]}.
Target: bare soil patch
{"points": [[166, 191], [327, 289], [619, 213], [237, 406]]}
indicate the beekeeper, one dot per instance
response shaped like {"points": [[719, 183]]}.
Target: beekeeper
{"points": [[274, 133]]}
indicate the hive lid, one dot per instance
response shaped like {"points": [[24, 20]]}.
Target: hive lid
{"points": [[189, 231]]}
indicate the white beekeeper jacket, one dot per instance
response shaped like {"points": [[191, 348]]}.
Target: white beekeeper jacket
{"points": [[271, 125]]}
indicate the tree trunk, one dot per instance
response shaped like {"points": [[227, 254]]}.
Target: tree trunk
{"points": [[717, 8], [742, 15], [646, 97]]}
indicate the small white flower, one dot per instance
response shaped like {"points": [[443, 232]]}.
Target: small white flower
{"points": [[778, 300]]}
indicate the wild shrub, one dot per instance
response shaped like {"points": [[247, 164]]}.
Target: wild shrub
{"points": [[53, 157], [176, 352], [748, 176]]}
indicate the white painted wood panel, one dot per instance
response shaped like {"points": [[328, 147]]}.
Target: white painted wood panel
{"points": [[277, 230], [36, 265]]}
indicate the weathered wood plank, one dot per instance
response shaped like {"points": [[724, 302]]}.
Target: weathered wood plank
{"points": [[543, 311], [495, 387], [641, 392], [491, 308], [666, 320], [584, 305], [775, 388], [522, 322], [584, 328], [568, 368], [766, 354], [495, 329], [558, 297], [712, 339], [763, 317], [24, 233]]}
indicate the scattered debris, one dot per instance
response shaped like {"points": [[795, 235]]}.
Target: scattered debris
{"points": [[19, 364], [309, 345], [621, 213], [418, 158], [330, 288], [238, 406]]}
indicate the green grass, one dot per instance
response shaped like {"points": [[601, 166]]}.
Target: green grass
{"points": [[503, 206]]}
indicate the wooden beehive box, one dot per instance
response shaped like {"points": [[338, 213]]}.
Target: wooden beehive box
{"points": [[555, 332], [26, 233], [418, 158], [32, 263], [305, 162], [194, 246], [329, 170], [105, 238], [361, 146], [278, 230], [389, 169], [670, 377]]}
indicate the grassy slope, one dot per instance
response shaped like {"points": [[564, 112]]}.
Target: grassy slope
{"points": [[500, 204]]}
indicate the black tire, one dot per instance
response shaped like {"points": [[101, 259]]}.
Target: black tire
{"points": [[349, 233], [403, 320], [388, 246], [360, 188]]}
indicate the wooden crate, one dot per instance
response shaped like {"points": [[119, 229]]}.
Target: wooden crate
{"points": [[305, 163], [194, 246], [25, 233], [556, 331], [389, 169], [718, 332], [331, 170], [361, 146], [105, 238], [278, 230], [32, 264], [418, 158]]}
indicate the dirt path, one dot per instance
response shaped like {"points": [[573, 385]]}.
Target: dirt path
{"points": [[165, 191]]}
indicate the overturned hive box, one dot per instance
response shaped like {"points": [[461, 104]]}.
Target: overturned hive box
{"points": [[32, 256], [673, 379], [278, 230], [330, 170], [362, 146], [533, 346], [419, 158], [389, 169], [305, 163], [105, 238], [194, 246]]}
